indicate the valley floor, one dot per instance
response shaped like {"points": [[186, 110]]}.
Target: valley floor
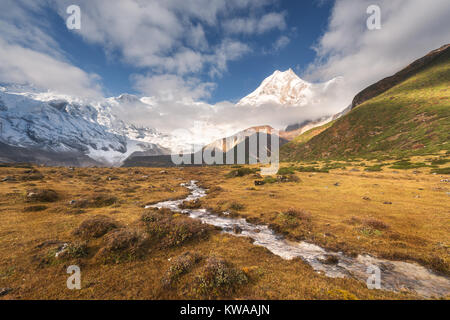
{"points": [[51, 218]]}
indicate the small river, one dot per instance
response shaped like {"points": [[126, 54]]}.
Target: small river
{"points": [[394, 275]]}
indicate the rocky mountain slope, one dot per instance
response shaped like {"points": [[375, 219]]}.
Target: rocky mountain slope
{"points": [[410, 118]]}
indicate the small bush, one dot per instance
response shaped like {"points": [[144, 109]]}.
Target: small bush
{"points": [[299, 214], [35, 208], [285, 171], [270, 180], [311, 169], [406, 164], [219, 278], [330, 259], [290, 219], [374, 168], [95, 227], [42, 195], [236, 206], [194, 204], [170, 231], [441, 170], [440, 161], [122, 245], [178, 267], [241, 172], [288, 178], [376, 224], [32, 175], [78, 250], [103, 200], [96, 201]]}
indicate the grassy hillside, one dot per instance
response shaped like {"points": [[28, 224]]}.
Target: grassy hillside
{"points": [[412, 118], [291, 149]]}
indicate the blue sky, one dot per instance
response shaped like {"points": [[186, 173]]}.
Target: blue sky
{"points": [[304, 22], [211, 50]]}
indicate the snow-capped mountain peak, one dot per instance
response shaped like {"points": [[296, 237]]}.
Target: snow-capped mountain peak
{"points": [[287, 89], [284, 88]]}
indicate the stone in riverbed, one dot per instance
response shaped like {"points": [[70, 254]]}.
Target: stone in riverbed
{"points": [[4, 291], [237, 229]]}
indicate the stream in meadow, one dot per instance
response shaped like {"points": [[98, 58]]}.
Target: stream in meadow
{"points": [[395, 275]]}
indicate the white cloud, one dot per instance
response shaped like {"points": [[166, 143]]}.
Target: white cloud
{"points": [[169, 87], [159, 37], [26, 66], [281, 43], [29, 55], [228, 50], [410, 29], [258, 25], [166, 36]]}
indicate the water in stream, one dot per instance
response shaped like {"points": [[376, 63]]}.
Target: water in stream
{"points": [[395, 275]]}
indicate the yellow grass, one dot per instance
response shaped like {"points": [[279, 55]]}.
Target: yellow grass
{"points": [[418, 230]]}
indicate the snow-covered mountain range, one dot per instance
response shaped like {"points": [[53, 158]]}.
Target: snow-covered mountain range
{"points": [[63, 124], [42, 127]]}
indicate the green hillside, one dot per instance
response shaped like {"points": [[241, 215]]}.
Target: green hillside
{"points": [[291, 149], [411, 118]]}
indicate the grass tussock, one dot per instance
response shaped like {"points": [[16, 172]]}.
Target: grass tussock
{"points": [[236, 206], [32, 175], [35, 208], [441, 170], [170, 230], [270, 180], [311, 169], [406, 164], [241, 172], [96, 201], [376, 224], [75, 250], [219, 278], [123, 245], [374, 168], [179, 266], [292, 218], [194, 204], [42, 195], [286, 171], [95, 227]]}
